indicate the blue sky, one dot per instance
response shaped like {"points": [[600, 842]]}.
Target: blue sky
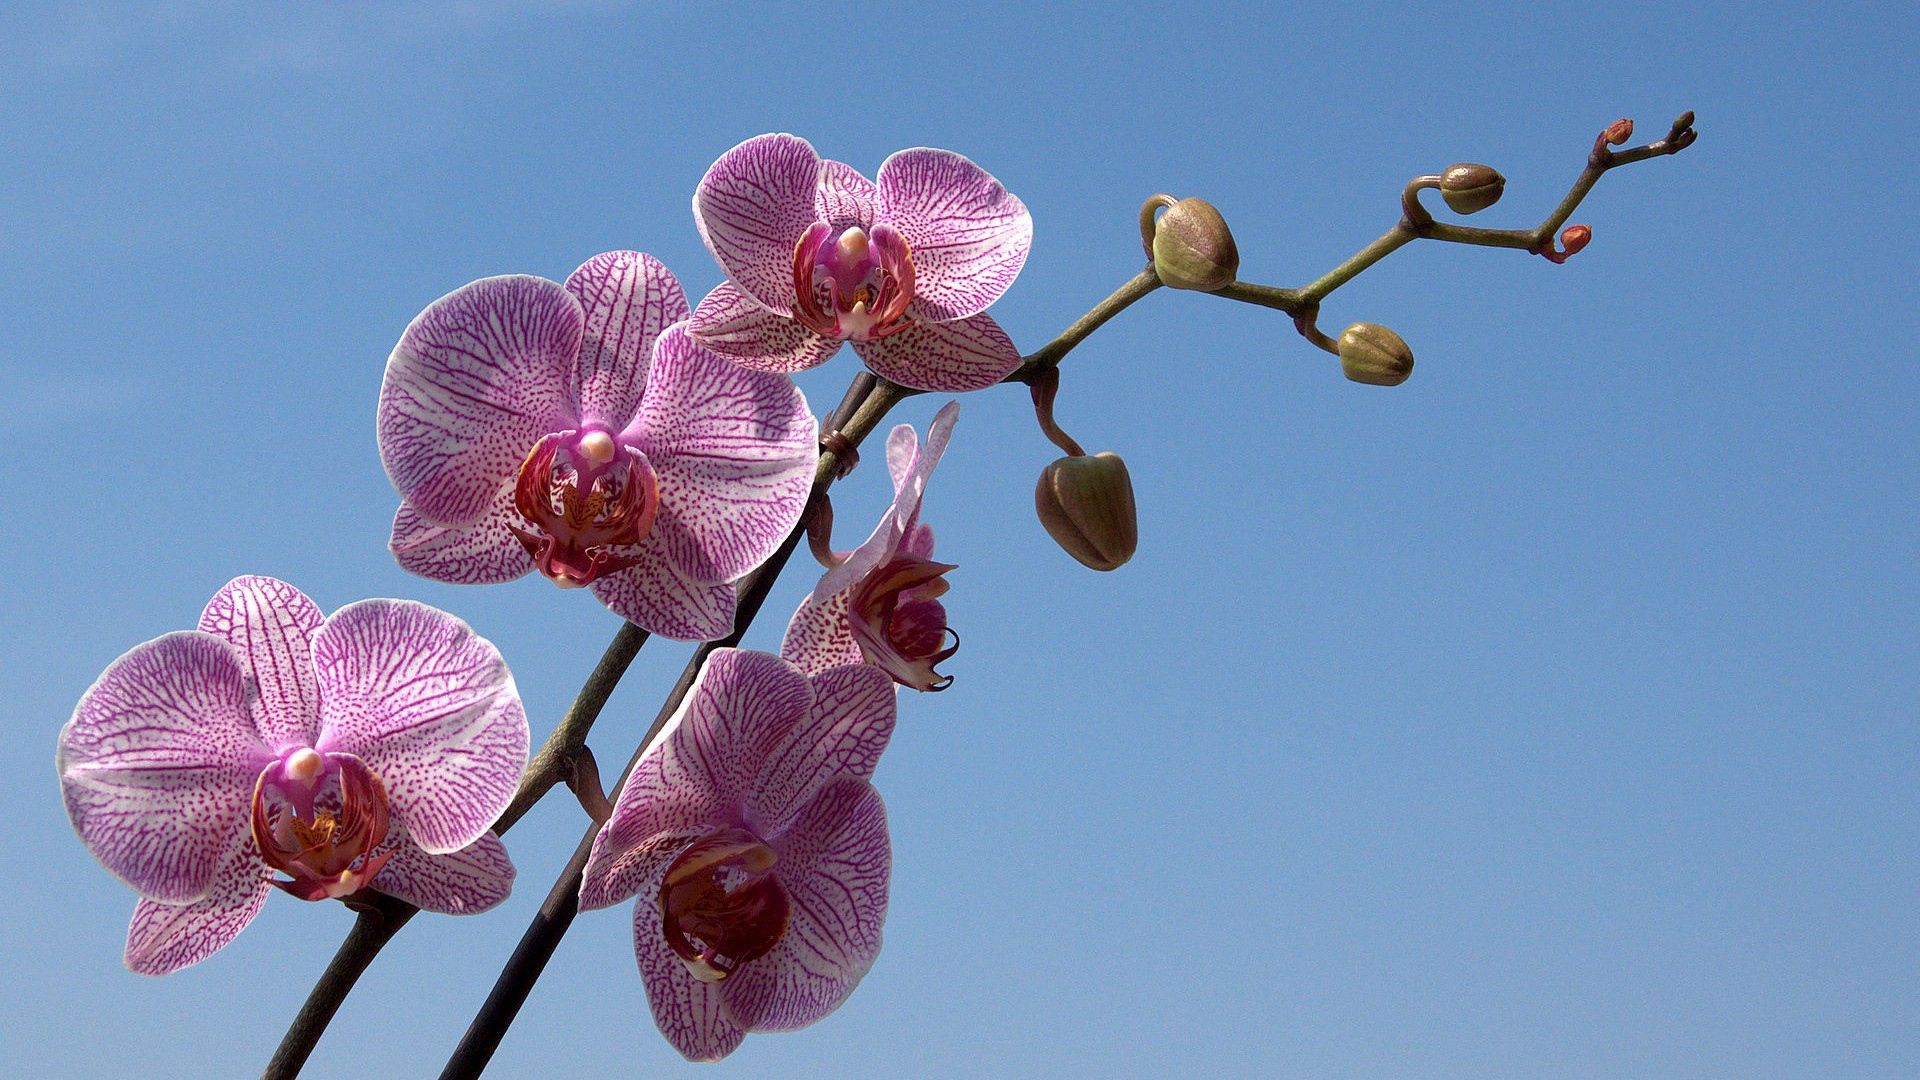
{"points": [[1549, 715]]}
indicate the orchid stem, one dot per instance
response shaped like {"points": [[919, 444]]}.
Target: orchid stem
{"points": [[1417, 224], [556, 913]]}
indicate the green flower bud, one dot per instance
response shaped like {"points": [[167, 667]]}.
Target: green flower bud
{"points": [[1470, 188], [1371, 353], [1192, 246], [1086, 504]]}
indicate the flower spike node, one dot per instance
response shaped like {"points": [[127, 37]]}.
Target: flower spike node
{"points": [[846, 457], [1190, 244]]}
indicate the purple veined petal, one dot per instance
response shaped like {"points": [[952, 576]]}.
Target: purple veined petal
{"points": [[844, 197], [735, 452], [158, 763], [947, 357], [163, 938], [969, 236], [843, 734], [741, 709], [910, 484], [626, 298], [918, 542], [737, 327], [752, 206], [485, 552], [655, 596], [835, 863], [910, 466], [818, 636], [465, 882], [477, 378], [651, 824], [689, 1013], [272, 624], [430, 706]]}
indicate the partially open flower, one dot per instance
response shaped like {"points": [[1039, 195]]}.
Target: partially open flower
{"points": [[881, 605], [1371, 353], [1086, 504], [757, 847], [373, 747]]}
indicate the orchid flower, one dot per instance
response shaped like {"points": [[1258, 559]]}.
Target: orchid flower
{"points": [[757, 847], [881, 605], [903, 266], [371, 747], [576, 429]]}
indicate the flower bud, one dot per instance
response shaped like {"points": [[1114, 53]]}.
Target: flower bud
{"points": [[1086, 504], [1193, 248], [1371, 353], [1470, 188]]}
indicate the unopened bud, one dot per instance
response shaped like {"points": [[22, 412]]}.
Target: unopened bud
{"points": [[1470, 188], [1086, 504], [1192, 247], [1371, 353]]}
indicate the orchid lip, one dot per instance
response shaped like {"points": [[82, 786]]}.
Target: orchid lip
{"points": [[319, 818], [583, 494], [854, 284], [722, 904]]}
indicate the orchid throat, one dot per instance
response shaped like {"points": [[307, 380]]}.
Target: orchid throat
{"points": [[852, 284], [583, 494]]}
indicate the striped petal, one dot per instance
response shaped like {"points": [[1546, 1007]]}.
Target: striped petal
{"points": [[968, 235], [272, 624], [157, 764], [735, 452], [430, 706], [819, 637], [626, 299], [163, 938], [656, 596], [484, 552], [945, 357], [465, 882], [737, 327], [690, 1013], [844, 197], [834, 863], [478, 377], [752, 206], [910, 467], [844, 733]]}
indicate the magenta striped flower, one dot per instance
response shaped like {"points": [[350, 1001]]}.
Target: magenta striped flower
{"points": [[576, 429], [903, 267], [371, 747], [882, 605], [758, 850]]}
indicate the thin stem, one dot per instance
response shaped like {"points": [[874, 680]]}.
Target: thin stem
{"points": [[1051, 353], [556, 913], [1417, 224]]}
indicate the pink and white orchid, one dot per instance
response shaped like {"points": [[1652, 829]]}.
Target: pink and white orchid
{"points": [[757, 847], [576, 429], [903, 266], [881, 605], [371, 747]]}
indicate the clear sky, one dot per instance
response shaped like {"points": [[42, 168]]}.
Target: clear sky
{"points": [[1552, 714]]}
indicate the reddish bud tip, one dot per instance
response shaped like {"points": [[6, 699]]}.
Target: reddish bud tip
{"points": [[1575, 237], [1619, 132]]}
